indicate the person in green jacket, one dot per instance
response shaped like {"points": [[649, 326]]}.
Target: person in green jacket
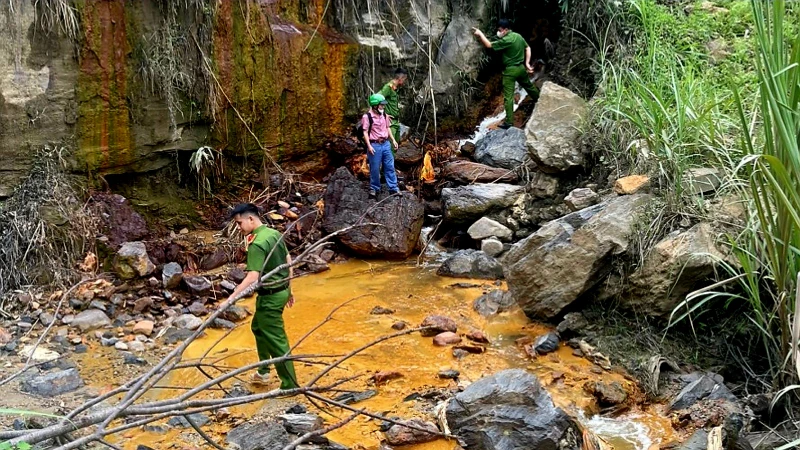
{"points": [[517, 59], [266, 251], [389, 92]]}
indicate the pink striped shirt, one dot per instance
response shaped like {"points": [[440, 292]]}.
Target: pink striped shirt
{"points": [[380, 125]]}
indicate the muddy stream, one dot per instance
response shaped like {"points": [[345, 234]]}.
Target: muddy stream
{"points": [[412, 292]]}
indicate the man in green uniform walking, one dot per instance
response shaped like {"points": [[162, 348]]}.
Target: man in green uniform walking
{"points": [[389, 92], [517, 59], [265, 244]]}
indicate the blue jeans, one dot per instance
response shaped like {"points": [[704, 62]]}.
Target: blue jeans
{"points": [[383, 155]]}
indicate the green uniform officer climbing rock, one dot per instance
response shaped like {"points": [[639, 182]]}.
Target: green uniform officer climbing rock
{"points": [[389, 92], [266, 251], [517, 60]]}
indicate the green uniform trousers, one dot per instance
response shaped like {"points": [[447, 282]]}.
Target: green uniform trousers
{"points": [[395, 129], [271, 340], [516, 74]]}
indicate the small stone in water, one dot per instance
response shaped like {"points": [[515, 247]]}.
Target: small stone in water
{"points": [[449, 374], [119, 345], [459, 353], [399, 326], [380, 310]]}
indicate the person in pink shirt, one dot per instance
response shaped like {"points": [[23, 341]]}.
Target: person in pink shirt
{"points": [[376, 124]]}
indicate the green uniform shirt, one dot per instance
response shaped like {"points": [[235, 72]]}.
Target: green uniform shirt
{"points": [[392, 101], [513, 47], [261, 244]]}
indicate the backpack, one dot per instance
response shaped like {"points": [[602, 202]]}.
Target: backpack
{"points": [[358, 129]]}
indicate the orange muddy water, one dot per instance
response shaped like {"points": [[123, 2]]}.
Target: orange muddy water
{"points": [[412, 292]]}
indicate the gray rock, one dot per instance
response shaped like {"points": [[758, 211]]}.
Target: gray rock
{"points": [[704, 180], [197, 308], [198, 419], [493, 302], [450, 374], [188, 322], [301, 423], [502, 148], [400, 218], [697, 441], [53, 383], [91, 319], [679, 264], [707, 386], [471, 264], [259, 436], [132, 261], [199, 286], [609, 394], [553, 130], [235, 313], [222, 323], [486, 227], [551, 268], [509, 410], [227, 285], [465, 204], [468, 172], [171, 275], [543, 185], [546, 343], [355, 397], [572, 324], [46, 318], [581, 198], [492, 247]]}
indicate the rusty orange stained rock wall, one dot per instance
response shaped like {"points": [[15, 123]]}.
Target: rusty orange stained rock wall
{"points": [[103, 132], [290, 92]]}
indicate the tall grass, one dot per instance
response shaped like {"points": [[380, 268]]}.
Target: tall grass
{"points": [[772, 246], [666, 106]]}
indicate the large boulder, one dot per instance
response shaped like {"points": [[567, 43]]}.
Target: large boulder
{"points": [[551, 268], [471, 264], [259, 436], [471, 172], [553, 130], [677, 265], [133, 261], [510, 410], [399, 218], [502, 148], [466, 204]]}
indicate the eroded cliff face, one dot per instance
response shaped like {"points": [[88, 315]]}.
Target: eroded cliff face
{"points": [[142, 79], [129, 85]]}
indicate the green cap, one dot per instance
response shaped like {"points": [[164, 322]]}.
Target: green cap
{"points": [[377, 99]]}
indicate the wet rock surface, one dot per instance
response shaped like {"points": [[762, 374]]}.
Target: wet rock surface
{"points": [[471, 172], [51, 384], [550, 269], [493, 302], [259, 436], [486, 227], [437, 324], [400, 435], [171, 275], [508, 410], [502, 148], [466, 204], [471, 264], [399, 217]]}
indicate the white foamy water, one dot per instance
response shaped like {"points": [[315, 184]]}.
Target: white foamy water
{"points": [[623, 432], [435, 254], [483, 127]]}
